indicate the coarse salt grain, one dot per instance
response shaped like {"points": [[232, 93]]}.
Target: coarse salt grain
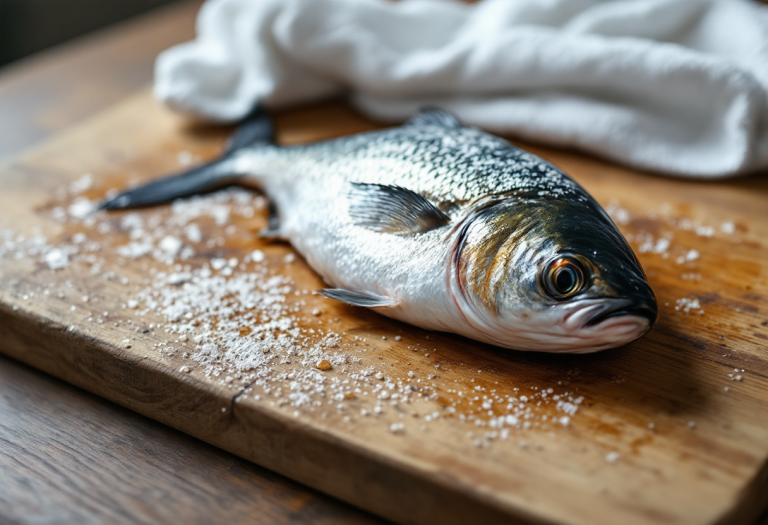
{"points": [[56, 259], [257, 256], [81, 208], [193, 233], [218, 263], [170, 245]]}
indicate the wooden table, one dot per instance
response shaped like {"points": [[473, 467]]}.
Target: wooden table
{"points": [[98, 462], [67, 456]]}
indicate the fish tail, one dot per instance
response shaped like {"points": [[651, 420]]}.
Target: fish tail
{"points": [[256, 130]]}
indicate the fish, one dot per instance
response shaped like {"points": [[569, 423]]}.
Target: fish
{"points": [[442, 226]]}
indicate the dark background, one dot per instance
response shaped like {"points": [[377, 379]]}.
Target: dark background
{"points": [[27, 26]]}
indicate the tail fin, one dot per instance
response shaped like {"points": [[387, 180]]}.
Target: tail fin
{"points": [[255, 130]]}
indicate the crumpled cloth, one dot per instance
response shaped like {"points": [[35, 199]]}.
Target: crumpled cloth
{"points": [[678, 87]]}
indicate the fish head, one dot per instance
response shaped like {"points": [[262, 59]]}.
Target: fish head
{"points": [[549, 274]]}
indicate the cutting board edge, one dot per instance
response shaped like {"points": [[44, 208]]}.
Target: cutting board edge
{"points": [[431, 496]]}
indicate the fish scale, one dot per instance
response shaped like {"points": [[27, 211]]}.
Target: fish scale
{"points": [[471, 166]]}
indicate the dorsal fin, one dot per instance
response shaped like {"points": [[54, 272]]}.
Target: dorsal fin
{"points": [[433, 116], [391, 209]]}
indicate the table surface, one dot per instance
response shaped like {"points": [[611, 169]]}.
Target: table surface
{"points": [[67, 456]]}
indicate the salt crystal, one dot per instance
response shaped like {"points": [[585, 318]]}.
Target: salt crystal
{"points": [[81, 208], [662, 245], [397, 428], [56, 259], [257, 256], [184, 158], [134, 250], [193, 233], [612, 457], [218, 263], [170, 245], [82, 184], [728, 228]]}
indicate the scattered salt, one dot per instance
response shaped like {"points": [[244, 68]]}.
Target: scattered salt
{"points": [[184, 158], [81, 208], [171, 245], [257, 256], [56, 259], [193, 233], [218, 263]]}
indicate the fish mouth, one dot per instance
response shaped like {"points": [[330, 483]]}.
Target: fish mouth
{"points": [[649, 312]]}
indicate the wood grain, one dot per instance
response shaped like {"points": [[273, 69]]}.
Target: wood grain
{"points": [[703, 462], [114, 466]]}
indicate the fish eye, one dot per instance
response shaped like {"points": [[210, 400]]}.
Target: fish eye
{"points": [[563, 277]]}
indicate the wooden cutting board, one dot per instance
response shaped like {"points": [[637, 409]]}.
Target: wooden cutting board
{"points": [[417, 427]]}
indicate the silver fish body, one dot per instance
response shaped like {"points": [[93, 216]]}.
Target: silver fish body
{"points": [[453, 229]]}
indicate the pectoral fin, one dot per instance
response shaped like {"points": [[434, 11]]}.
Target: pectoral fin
{"points": [[392, 209], [364, 299]]}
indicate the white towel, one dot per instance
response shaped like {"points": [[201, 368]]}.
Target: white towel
{"points": [[674, 86]]}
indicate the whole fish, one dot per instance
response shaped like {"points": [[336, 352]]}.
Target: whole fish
{"points": [[442, 226]]}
